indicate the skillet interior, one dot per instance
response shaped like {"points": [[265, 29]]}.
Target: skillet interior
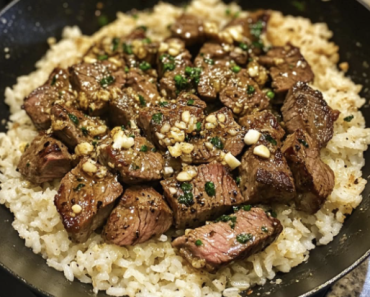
{"points": [[30, 22]]}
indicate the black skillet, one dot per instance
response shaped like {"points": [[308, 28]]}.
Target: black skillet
{"points": [[30, 22]]}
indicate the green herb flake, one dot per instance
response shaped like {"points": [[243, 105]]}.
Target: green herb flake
{"points": [[79, 187], [198, 242], [132, 136], [199, 126], [28, 164], [144, 28], [27, 146], [227, 218], [142, 101], [123, 128], [237, 180], [103, 20], [349, 118], [303, 142], [190, 102], [127, 48], [235, 69], [271, 213], [243, 46], [235, 209], [257, 28], [167, 56], [54, 80], [270, 139], [258, 44], [133, 166], [209, 61], [264, 229], [217, 143], [299, 5], [180, 82], [247, 207], [163, 103], [73, 118], [115, 43], [186, 187], [193, 73], [135, 16], [145, 66], [250, 90], [157, 118], [154, 150], [146, 40], [236, 14], [169, 67], [94, 143], [244, 238], [186, 199], [102, 57], [106, 81], [228, 11], [84, 131], [270, 95], [210, 189], [127, 70], [144, 148]]}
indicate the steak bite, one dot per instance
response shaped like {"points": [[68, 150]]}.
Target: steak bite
{"points": [[306, 109], [219, 134], [45, 159], [188, 28], [208, 195], [314, 179], [132, 157], [287, 66], [73, 127], [243, 95], [141, 214], [96, 84], [169, 123], [265, 179], [233, 237], [85, 198], [39, 102]]}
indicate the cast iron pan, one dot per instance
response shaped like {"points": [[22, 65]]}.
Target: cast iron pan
{"points": [[30, 22]]}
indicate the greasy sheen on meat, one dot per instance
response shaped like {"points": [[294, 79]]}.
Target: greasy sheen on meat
{"points": [[133, 158], [85, 198], [188, 28], [314, 179], [306, 109], [39, 102], [210, 194], [231, 238], [45, 159], [141, 214], [73, 127], [287, 66]]}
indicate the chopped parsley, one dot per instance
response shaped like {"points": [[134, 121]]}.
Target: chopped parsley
{"points": [[157, 118], [271, 213], [145, 66], [199, 126], [227, 218], [193, 73], [169, 67], [247, 207], [127, 48], [133, 166], [217, 143], [180, 82], [264, 229], [250, 89], [79, 187], [94, 143], [163, 103], [270, 95], [135, 16], [28, 164], [237, 180], [102, 57], [154, 150], [228, 11], [146, 40], [103, 20], [244, 238], [243, 46], [210, 189], [303, 142], [127, 70], [256, 29], [144, 28], [235, 69], [209, 61], [132, 136], [84, 131], [198, 242], [54, 80], [123, 128], [186, 187], [349, 118], [115, 44], [169, 57], [144, 148], [142, 101], [190, 102], [186, 198], [257, 44], [106, 81], [301, 6], [270, 139], [74, 119]]}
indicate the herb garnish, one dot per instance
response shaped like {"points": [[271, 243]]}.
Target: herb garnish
{"points": [[243, 46], [186, 187], [264, 229], [144, 148], [169, 67], [180, 82], [74, 119], [115, 44], [349, 118], [256, 29], [103, 20], [146, 40], [102, 57], [303, 142], [54, 80], [190, 102], [133, 166], [250, 89], [210, 189], [217, 143], [199, 126], [142, 100], [270, 139], [244, 238], [145, 66], [187, 197], [193, 73], [84, 131], [79, 187], [157, 118], [198, 242], [163, 103], [226, 218], [127, 70], [127, 48], [271, 213], [106, 81], [209, 61], [237, 180]]}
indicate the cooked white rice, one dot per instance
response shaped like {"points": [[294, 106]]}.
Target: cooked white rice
{"points": [[154, 268]]}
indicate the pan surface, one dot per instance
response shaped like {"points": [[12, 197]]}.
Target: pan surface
{"points": [[26, 24]]}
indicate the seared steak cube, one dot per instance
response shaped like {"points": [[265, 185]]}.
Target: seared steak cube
{"points": [[266, 179], [134, 158], [85, 198], [211, 193], [188, 28], [218, 134], [233, 237], [96, 84], [287, 66], [314, 179], [243, 95], [169, 123], [39, 102], [141, 214], [45, 159], [73, 127], [306, 109]]}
